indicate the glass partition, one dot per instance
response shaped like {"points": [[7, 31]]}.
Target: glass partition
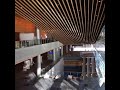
{"points": [[46, 69], [28, 43], [100, 67], [100, 56]]}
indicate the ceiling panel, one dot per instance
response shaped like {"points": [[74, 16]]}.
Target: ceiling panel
{"points": [[69, 21]]}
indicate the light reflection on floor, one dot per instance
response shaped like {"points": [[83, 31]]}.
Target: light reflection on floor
{"points": [[29, 83], [62, 84]]}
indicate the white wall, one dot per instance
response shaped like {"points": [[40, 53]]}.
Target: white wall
{"points": [[26, 36]]}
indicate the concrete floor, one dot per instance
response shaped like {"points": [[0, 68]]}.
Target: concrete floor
{"points": [[28, 81]]}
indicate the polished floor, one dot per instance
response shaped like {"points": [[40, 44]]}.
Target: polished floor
{"points": [[28, 81]]}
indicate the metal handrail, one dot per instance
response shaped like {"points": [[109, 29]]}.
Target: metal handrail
{"points": [[28, 43], [46, 69]]}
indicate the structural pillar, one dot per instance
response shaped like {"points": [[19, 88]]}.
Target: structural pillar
{"points": [[54, 54], [39, 61], [93, 66], [61, 50], [83, 68], [26, 65], [88, 66], [38, 35], [31, 61], [66, 48], [54, 59], [71, 47]]}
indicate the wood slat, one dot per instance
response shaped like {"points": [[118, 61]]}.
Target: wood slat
{"points": [[69, 21]]}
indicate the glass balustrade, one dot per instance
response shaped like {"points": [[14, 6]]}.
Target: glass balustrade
{"points": [[47, 68], [100, 66], [28, 43]]}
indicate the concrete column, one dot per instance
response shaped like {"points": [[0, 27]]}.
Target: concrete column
{"points": [[93, 66], [71, 47], [83, 68], [58, 53], [66, 48], [26, 65], [38, 35], [39, 61], [61, 50], [31, 61], [88, 67], [54, 54]]}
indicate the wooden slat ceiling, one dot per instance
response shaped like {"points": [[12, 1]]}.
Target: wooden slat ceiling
{"points": [[69, 21]]}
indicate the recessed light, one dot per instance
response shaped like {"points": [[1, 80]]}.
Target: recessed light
{"points": [[99, 1]]}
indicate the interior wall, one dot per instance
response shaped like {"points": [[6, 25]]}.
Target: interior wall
{"points": [[26, 36], [24, 26]]}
